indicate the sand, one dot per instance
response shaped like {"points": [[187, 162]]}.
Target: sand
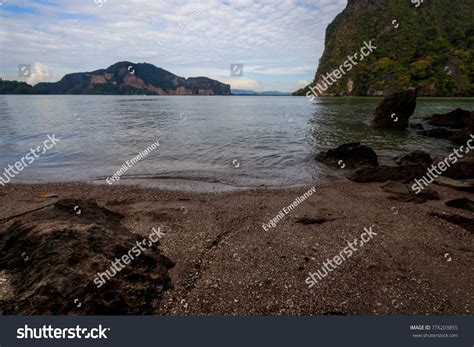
{"points": [[226, 264]]}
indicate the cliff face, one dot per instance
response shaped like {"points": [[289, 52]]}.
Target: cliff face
{"points": [[430, 47], [130, 78]]}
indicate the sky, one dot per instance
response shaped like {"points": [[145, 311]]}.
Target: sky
{"points": [[278, 42]]}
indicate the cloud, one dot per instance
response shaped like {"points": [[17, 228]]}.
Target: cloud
{"points": [[39, 73], [278, 42]]}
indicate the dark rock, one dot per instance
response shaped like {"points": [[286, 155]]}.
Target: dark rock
{"points": [[428, 194], [462, 136], [400, 192], [454, 184], [454, 119], [463, 222], [388, 173], [458, 119], [350, 155], [54, 256], [396, 188], [415, 158], [462, 169], [438, 133], [310, 221], [395, 110], [463, 203], [417, 126]]}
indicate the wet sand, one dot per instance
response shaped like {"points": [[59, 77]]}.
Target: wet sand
{"points": [[226, 264]]}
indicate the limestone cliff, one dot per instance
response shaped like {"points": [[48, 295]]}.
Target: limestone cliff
{"points": [[430, 47]]}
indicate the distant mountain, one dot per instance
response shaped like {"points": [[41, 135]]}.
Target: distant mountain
{"points": [[430, 47], [124, 78], [252, 92], [15, 87]]}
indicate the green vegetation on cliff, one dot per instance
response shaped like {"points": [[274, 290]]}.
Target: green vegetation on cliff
{"points": [[432, 48]]}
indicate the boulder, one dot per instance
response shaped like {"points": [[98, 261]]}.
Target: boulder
{"points": [[415, 158], [462, 136], [454, 184], [53, 257], [462, 203], [438, 133], [463, 222], [462, 169], [401, 192], [457, 119], [417, 126], [404, 173], [350, 156], [454, 119], [395, 110]]}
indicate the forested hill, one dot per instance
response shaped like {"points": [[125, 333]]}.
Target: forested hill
{"points": [[430, 46]]}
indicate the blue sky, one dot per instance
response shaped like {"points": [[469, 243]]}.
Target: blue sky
{"points": [[278, 42]]}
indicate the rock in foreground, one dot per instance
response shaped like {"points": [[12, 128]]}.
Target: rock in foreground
{"points": [[350, 155], [53, 256], [385, 173]]}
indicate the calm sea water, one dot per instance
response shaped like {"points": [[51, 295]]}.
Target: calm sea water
{"points": [[237, 140]]}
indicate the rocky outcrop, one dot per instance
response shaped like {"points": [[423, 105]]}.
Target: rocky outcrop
{"points": [[463, 222], [350, 156], [438, 133], [455, 184], [462, 169], [409, 167], [405, 173], [395, 110], [401, 192], [415, 158], [454, 119], [434, 55], [53, 257], [462, 203], [445, 125]]}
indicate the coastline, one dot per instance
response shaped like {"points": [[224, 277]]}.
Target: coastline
{"points": [[226, 264]]}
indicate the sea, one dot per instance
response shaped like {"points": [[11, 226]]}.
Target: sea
{"points": [[222, 141]]}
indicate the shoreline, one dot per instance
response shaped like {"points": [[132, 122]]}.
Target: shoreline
{"points": [[226, 264], [180, 184]]}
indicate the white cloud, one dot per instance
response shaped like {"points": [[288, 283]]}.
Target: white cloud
{"points": [[39, 73]]}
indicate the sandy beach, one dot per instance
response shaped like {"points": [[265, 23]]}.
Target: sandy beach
{"points": [[227, 264]]}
